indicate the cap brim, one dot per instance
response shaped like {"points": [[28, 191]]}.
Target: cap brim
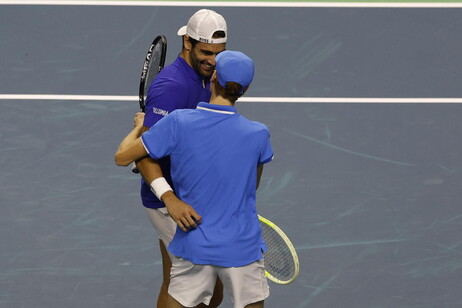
{"points": [[182, 31]]}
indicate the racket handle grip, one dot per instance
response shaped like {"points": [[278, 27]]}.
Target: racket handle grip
{"points": [[134, 169]]}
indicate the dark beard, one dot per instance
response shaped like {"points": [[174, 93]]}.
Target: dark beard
{"points": [[196, 64]]}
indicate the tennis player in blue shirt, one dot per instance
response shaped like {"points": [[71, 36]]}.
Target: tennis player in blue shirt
{"points": [[217, 158], [180, 85]]}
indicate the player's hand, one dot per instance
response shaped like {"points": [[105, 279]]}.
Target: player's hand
{"points": [[182, 213], [138, 121]]}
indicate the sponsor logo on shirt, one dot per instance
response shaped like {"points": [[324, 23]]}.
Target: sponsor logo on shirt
{"points": [[159, 111]]}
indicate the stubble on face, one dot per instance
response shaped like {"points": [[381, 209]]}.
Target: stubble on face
{"points": [[202, 57]]}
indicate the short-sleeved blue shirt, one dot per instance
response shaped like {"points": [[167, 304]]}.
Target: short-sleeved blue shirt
{"points": [[177, 86], [214, 155]]}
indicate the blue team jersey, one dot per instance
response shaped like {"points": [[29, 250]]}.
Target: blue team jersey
{"points": [[214, 155], [177, 86]]}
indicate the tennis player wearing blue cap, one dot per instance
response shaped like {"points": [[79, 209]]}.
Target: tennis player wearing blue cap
{"points": [[217, 158]]}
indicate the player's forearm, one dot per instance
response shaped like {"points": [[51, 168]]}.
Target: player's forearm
{"points": [[149, 169], [152, 173], [123, 156]]}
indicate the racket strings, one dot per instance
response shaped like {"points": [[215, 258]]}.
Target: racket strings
{"points": [[278, 258], [154, 66]]}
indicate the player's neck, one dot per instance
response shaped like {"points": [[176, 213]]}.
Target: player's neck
{"points": [[219, 100], [185, 56]]}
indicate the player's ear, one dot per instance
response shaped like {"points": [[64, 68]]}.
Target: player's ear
{"points": [[187, 43], [214, 76]]}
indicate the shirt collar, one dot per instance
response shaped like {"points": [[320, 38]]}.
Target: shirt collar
{"points": [[217, 108]]}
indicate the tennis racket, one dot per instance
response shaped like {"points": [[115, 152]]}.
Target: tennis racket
{"points": [[152, 65], [281, 260]]}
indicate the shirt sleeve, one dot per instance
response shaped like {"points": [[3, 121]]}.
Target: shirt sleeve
{"points": [[164, 96], [266, 154], [160, 140]]}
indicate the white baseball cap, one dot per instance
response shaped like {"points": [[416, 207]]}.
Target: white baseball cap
{"points": [[203, 24]]}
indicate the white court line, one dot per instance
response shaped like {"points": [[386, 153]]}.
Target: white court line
{"points": [[238, 3], [303, 100]]}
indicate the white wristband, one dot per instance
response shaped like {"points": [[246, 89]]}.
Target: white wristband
{"points": [[159, 187]]}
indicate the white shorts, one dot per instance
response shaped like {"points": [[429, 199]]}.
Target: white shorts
{"points": [[192, 284], [164, 225]]}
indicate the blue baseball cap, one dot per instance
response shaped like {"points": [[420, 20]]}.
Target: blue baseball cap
{"points": [[234, 66]]}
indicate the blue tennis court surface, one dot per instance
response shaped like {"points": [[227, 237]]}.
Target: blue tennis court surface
{"points": [[369, 193]]}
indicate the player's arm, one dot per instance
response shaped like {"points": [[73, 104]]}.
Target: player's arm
{"points": [[148, 167], [131, 148], [266, 154], [181, 212], [259, 173]]}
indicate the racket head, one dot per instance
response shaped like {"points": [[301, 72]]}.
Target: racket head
{"points": [[152, 65], [281, 259]]}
